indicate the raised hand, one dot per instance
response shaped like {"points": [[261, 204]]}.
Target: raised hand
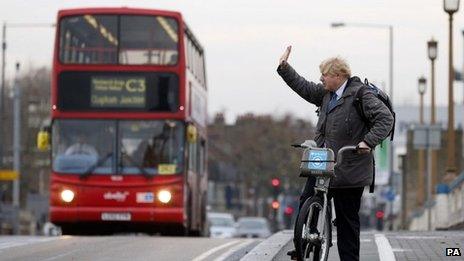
{"points": [[284, 57]]}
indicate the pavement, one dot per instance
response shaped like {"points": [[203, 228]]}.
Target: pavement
{"points": [[375, 245]]}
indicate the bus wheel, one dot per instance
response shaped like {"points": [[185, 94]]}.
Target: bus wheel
{"points": [[68, 230], [188, 225]]}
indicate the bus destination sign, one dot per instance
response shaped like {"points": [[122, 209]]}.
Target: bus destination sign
{"points": [[118, 92]]}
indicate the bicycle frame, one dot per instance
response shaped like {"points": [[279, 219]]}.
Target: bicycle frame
{"points": [[321, 189]]}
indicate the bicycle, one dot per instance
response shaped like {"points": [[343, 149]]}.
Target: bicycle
{"points": [[313, 229]]}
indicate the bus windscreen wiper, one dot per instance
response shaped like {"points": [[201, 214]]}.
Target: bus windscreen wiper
{"points": [[141, 168], [96, 165]]}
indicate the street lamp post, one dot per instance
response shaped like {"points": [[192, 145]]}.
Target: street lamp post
{"points": [[2, 91], [17, 133], [390, 93], [450, 6], [422, 85], [462, 73], [3, 65], [432, 51]]}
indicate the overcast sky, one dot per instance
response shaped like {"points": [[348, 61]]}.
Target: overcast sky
{"points": [[244, 39]]}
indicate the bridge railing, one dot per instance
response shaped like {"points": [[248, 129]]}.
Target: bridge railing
{"points": [[447, 211]]}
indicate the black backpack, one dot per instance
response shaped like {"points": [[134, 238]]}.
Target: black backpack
{"points": [[381, 95]]}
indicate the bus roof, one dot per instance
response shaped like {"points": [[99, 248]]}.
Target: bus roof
{"points": [[129, 10], [117, 10]]}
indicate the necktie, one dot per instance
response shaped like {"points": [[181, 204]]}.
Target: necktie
{"points": [[333, 101]]}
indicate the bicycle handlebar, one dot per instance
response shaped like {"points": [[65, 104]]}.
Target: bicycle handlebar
{"points": [[306, 144], [312, 143], [342, 150]]}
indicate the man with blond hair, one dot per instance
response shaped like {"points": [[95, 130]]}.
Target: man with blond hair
{"points": [[338, 125]]}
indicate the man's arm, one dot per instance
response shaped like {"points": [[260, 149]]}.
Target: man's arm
{"points": [[379, 115], [309, 91]]}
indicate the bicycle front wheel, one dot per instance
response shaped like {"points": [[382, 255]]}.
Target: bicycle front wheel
{"points": [[311, 244]]}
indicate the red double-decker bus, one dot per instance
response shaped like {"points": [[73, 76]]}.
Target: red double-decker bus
{"points": [[129, 117]]}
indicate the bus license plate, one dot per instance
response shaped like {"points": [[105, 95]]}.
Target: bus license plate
{"points": [[116, 216]]}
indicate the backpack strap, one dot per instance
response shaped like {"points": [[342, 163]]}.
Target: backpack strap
{"points": [[358, 104], [393, 128], [372, 186], [359, 109]]}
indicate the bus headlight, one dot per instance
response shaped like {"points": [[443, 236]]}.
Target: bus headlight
{"points": [[67, 195], [164, 196]]}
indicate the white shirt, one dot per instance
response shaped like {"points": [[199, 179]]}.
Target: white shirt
{"points": [[340, 90]]}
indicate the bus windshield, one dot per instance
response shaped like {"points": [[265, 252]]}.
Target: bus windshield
{"points": [[118, 147], [118, 39]]}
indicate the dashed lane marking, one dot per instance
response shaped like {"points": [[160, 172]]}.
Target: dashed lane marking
{"points": [[22, 241], [60, 255], [214, 250], [234, 249], [416, 237]]}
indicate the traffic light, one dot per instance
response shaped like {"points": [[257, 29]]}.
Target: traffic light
{"points": [[288, 211], [275, 182], [275, 204], [379, 215], [288, 214]]}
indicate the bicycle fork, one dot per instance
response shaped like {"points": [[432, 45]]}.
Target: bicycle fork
{"points": [[322, 185]]}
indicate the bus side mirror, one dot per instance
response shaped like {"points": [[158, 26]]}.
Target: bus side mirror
{"points": [[43, 140], [191, 134]]}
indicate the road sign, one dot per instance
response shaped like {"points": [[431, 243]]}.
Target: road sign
{"points": [[427, 136], [7, 174], [390, 196]]}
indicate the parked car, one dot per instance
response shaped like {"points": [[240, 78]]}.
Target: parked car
{"points": [[253, 227], [221, 225]]}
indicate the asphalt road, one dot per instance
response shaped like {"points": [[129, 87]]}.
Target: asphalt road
{"points": [[130, 247], [375, 246]]}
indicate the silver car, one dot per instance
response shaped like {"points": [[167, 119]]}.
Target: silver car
{"points": [[253, 227], [221, 225]]}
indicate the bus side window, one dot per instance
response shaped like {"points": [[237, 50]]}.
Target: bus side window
{"points": [[201, 157], [193, 156]]}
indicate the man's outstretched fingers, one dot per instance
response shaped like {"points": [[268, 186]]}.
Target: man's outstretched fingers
{"points": [[286, 54]]}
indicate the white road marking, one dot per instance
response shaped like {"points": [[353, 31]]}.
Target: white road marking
{"points": [[417, 237], [214, 250], [384, 248], [60, 256], [22, 241], [334, 241], [234, 249], [401, 250]]}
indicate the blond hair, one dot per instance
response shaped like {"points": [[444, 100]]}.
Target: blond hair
{"points": [[335, 66]]}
